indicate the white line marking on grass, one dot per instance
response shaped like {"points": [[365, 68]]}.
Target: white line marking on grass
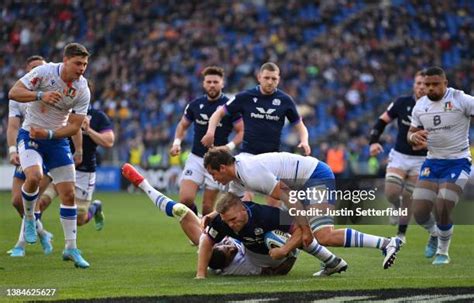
{"points": [[344, 299]]}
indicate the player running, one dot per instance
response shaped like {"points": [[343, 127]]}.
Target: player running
{"points": [[16, 113], [198, 112], [97, 130], [440, 122], [404, 163], [54, 90]]}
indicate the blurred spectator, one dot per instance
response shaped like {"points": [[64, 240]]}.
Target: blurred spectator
{"points": [[342, 61]]}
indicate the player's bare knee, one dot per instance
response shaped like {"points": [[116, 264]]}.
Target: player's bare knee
{"points": [[67, 197], [33, 179]]}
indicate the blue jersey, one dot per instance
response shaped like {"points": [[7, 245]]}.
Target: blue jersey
{"points": [[264, 117], [100, 123], [262, 218], [199, 111], [401, 110]]}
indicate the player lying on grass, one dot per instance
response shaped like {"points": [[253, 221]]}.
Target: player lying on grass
{"points": [[249, 222], [229, 256], [281, 174]]}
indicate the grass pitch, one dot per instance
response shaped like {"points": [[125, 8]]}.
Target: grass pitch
{"points": [[141, 252]]}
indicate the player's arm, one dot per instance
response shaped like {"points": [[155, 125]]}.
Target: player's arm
{"points": [[303, 134], [204, 255], [418, 138], [282, 192], [78, 152], [20, 93], [72, 127], [12, 133], [208, 139], [105, 138], [239, 135], [181, 129], [376, 132], [295, 241]]}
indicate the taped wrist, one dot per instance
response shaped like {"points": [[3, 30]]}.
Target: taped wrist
{"points": [[377, 131]]}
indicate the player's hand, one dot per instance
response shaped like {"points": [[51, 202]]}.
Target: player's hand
{"points": [[375, 149], [205, 220], [38, 133], [14, 158], [77, 157], [51, 97], [208, 140], [175, 150], [86, 124], [419, 139], [305, 147], [277, 253]]}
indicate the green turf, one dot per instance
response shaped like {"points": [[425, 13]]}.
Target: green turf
{"points": [[141, 252]]}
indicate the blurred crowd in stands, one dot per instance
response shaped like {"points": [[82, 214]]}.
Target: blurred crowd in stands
{"points": [[342, 61]]}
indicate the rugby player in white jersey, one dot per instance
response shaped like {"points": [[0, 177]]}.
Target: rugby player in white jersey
{"points": [[440, 122], [229, 256], [17, 112], [275, 174], [53, 90]]}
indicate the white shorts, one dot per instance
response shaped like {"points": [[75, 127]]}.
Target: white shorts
{"points": [[85, 185], [410, 164], [194, 170]]}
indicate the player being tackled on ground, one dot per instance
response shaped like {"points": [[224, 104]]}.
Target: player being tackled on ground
{"points": [[229, 257], [249, 222], [276, 174], [53, 90], [440, 122]]}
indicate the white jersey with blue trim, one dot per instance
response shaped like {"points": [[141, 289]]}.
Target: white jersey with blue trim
{"points": [[261, 173], [17, 109], [447, 122], [240, 265], [75, 97]]}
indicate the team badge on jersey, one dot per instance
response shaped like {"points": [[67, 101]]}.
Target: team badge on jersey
{"points": [[201, 106], [258, 231], [188, 172], [448, 106], [425, 172], [276, 102], [255, 100], [70, 92], [35, 81]]}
